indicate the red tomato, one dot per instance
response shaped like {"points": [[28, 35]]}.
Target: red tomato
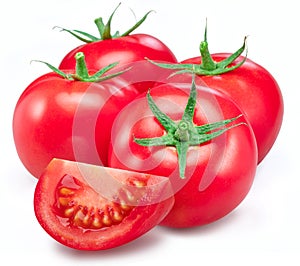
{"points": [[68, 119], [256, 92], [129, 51], [90, 207], [218, 173]]}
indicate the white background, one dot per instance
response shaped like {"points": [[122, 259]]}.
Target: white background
{"points": [[265, 228]]}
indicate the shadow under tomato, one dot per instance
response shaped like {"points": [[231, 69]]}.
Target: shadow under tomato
{"points": [[220, 224], [142, 244]]}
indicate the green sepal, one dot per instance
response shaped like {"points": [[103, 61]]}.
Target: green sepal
{"points": [[55, 69], [182, 149], [210, 127], [189, 110], [164, 120], [136, 25], [159, 141], [80, 35], [209, 136]]}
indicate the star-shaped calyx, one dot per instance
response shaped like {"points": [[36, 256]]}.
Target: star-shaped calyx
{"points": [[207, 67], [184, 133]]}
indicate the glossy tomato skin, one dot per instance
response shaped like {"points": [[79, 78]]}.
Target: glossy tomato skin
{"points": [[219, 173], [65, 227], [256, 92], [55, 117], [130, 51]]}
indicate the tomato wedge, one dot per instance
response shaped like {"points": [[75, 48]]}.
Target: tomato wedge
{"points": [[90, 207]]}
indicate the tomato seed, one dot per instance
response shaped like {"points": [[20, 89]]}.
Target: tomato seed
{"points": [[130, 196], [64, 201], [79, 216], [66, 191], [69, 212], [107, 220], [138, 183], [96, 223], [124, 206], [86, 220], [117, 217]]}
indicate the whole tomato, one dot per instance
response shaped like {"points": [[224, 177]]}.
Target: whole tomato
{"points": [[128, 49], [197, 137], [249, 84], [68, 115]]}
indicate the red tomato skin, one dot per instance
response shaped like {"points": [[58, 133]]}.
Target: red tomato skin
{"points": [[219, 173], [59, 118], [256, 92], [140, 221], [129, 51], [227, 191]]}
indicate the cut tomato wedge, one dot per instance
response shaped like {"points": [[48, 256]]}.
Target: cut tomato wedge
{"points": [[90, 207]]}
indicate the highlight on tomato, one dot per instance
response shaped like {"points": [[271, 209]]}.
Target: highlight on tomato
{"points": [[251, 86], [198, 138], [68, 114], [88, 207], [128, 49]]}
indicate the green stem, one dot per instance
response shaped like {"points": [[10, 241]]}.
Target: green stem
{"points": [[81, 68], [207, 62], [182, 132]]}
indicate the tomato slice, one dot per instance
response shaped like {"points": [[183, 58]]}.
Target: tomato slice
{"points": [[90, 207]]}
